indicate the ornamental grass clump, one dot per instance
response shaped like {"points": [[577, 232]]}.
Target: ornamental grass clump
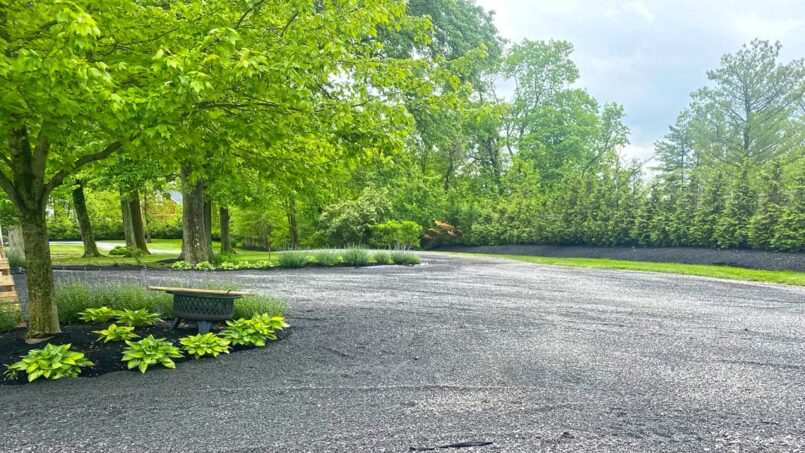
{"points": [[356, 257], [383, 257], [327, 258], [404, 257], [74, 298], [51, 362], [150, 351], [292, 259]]}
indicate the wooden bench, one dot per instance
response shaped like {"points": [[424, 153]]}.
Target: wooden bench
{"points": [[204, 306]]}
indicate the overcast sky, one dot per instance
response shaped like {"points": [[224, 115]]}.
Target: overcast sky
{"points": [[649, 55]]}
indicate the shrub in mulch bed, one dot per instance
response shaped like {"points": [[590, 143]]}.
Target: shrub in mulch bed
{"points": [[106, 357]]}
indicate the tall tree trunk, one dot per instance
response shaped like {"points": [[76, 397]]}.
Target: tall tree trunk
{"points": [[208, 221], [226, 237], [195, 246], [84, 223], [128, 226], [15, 242], [293, 230], [138, 229], [44, 318]]}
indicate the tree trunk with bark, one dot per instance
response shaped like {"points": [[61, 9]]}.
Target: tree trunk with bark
{"points": [[84, 222], [128, 226], [226, 236], [208, 221], [293, 229], [44, 318], [25, 182], [195, 246], [138, 228]]}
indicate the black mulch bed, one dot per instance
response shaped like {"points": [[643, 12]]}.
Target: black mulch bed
{"points": [[106, 356]]}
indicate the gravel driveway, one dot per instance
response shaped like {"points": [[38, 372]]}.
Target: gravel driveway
{"points": [[529, 357]]}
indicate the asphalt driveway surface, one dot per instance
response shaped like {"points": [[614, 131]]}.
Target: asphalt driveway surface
{"points": [[529, 357]]}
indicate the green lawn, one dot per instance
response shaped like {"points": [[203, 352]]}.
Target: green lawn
{"points": [[162, 249], [733, 273]]}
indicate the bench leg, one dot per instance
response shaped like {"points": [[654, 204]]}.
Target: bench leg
{"points": [[175, 323], [204, 326]]}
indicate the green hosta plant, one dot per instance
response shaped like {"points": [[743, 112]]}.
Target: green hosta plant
{"points": [[137, 318], [116, 333], [51, 362], [150, 351], [182, 266], [247, 332], [101, 314], [205, 266], [208, 344], [273, 323]]}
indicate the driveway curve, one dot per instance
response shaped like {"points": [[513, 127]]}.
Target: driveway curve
{"points": [[459, 349]]}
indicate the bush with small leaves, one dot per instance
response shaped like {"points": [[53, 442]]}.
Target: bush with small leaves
{"points": [[228, 266], [356, 257], [383, 257], [208, 344], [262, 264], [116, 333], [137, 318], [182, 266], [292, 259], [51, 362], [403, 257], [150, 351], [205, 266], [98, 315]]}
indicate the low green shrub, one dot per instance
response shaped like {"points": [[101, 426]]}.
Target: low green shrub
{"points": [[137, 318], [383, 257], [293, 259], [120, 250], [98, 315], [73, 298], [228, 266], [208, 344], [262, 264], [10, 317], [327, 258], [205, 266], [51, 362], [356, 256], [395, 234], [403, 257], [16, 258], [116, 333], [182, 266], [150, 351], [221, 258]]}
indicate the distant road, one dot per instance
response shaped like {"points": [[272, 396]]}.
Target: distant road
{"points": [[752, 259]]}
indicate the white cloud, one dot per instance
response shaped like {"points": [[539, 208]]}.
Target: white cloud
{"points": [[649, 55], [641, 10]]}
